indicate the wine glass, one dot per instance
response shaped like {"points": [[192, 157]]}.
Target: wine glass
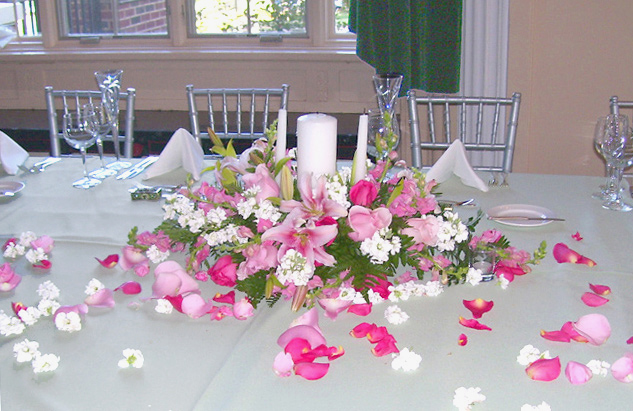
{"points": [[607, 190], [79, 134], [109, 82], [613, 138], [101, 125]]}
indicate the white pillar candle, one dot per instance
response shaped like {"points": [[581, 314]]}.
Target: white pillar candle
{"points": [[282, 126], [360, 157], [316, 144]]}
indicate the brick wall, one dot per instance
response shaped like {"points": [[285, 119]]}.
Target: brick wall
{"points": [[136, 16]]}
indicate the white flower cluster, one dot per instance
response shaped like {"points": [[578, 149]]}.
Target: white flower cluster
{"points": [[23, 247], [529, 354], [474, 276], [28, 316], [94, 286], [294, 268], [69, 322], [336, 186], [350, 294], [163, 306], [599, 367], [228, 234], [176, 204], [188, 216], [465, 398], [264, 210], [395, 315], [451, 231], [155, 255], [28, 351], [503, 282], [541, 407], [133, 358], [402, 292], [382, 244], [405, 360]]}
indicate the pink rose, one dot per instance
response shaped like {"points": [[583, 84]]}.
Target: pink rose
{"points": [[262, 178], [423, 230], [224, 271], [258, 257], [363, 193], [366, 222]]}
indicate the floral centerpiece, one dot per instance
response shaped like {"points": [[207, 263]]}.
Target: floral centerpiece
{"points": [[271, 234]]}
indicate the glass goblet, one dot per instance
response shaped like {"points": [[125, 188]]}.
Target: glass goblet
{"points": [[79, 134], [101, 125], [607, 190], [616, 142]]}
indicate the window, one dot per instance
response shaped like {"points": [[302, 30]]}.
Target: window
{"points": [[236, 24]]}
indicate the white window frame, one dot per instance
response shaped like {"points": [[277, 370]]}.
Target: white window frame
{"points": [[322, 36]]}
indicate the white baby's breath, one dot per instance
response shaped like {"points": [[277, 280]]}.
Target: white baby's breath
{"points": [[48, 291], [69, 322], [473, 276], [465, 398], [45, 363], [541, 407], [294, 268], [599, 367], [133, 358], [503, 282], [529, 354], [163, 306], [36, 255], [14, 250], [26, 351], [29, 315], [433, 288], [94, 286], [26, 238], [48, 307], [155, 255], [395, 315], [10, 325], [405, 360]]}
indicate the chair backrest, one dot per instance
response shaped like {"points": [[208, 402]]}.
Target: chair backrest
{"points": [[615, 105], [73, 100], [474, 120], [237, 113]]}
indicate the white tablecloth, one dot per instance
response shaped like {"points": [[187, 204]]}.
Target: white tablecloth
{"points": [[208, 365]]}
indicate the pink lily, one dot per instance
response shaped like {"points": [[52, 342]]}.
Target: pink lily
{"points": [[110, 261], [600, 289], [593, 300], [8, 278], [308, 240], [478, 306], [564, 254], [474, 324], [314, 203], [462, 340], [594, 327], [266, 183], [544, 369], [577, 373], [360, 309], [622, 368], [129, 288], [102, 298]]}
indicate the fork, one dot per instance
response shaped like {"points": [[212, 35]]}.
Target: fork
{"points": [[39, 166]]}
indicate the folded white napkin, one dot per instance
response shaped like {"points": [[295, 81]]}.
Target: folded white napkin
{"points": [[11, 154], [454, 161], [182, 150]]}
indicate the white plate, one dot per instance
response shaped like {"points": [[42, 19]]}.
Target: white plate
{"points": [[15, 186], [522, 210]]}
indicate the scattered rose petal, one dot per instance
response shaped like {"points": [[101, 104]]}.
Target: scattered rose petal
{"points": [[473, 324], [311, 371], [243, 309], [283, 364], [564, 254], [576, 236], [600, 289], [462, 340], [629, 341], [478, 306], [44, 264], [362, 329], [333, 306], [593, 300], [594, 327], [622, 369], [110, 261], [544, 369], [195, 306], [558, 335], [102, 298], [129, 288], [386, 345], [577, 373], [228, 298], [360, 309]]}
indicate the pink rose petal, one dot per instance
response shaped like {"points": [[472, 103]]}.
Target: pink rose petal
{"points": [[361, 330], [386, 345], [600, 289], [361, 310], [478, 306], [311, 371], [629, 341], [577, 373], [593, 300], [473, 324], [594, 327], [283, 364], [314, 337], [577, 236], [333, 306], [462, 340], [102, 298], [129, 288], [228, 298], [110, 261], [564, 254], [544, 369], [622, 369]]}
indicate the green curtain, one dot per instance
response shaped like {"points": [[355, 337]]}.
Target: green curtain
{"points": [[420, 39]]}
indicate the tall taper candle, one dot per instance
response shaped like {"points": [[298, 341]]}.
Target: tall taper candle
{"points": [[360, 156], [316, 144], [282, 126]]}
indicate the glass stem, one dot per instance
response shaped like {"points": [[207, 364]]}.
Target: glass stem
{"points": [[100, 147], [617, 181], [612, 184], [82, 150]]}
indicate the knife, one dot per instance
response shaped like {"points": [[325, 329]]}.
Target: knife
{"points": [[524, 218], [137, 169]]}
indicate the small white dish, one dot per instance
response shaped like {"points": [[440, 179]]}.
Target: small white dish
{"points": [[12, 186], [521, 210]]}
